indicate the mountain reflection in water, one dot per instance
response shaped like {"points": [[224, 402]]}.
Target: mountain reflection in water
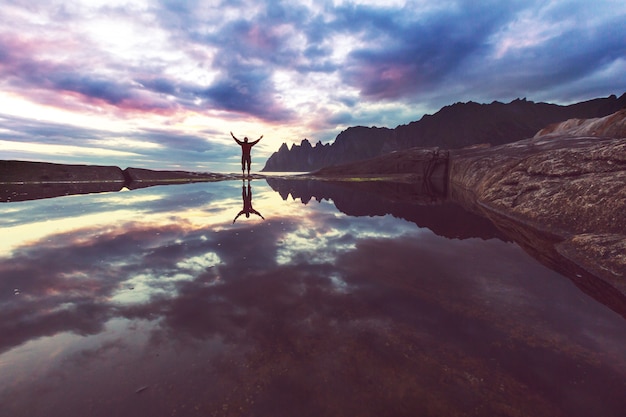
{"points": [[152, 302]]}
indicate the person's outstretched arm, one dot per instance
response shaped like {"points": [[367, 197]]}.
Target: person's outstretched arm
{"points": [[237, 216], [258, 214], [256, 141], [236, 140]]}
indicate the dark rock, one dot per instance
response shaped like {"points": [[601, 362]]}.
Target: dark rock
{"points": [[22, 180], [353, 144], [303, 157], [141, 177], [423, 162], [45, 172], [37, 191]]}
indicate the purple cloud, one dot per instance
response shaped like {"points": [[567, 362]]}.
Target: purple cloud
{"points": [[311, 68]]}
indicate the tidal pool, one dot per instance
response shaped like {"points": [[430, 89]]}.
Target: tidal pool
{"points": [[156, 302]]}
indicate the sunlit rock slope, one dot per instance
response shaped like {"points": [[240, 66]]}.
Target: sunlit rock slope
{"points": [[612, 126]]}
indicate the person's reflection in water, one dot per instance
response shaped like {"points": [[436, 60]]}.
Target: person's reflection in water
{"points": [[246, 196]]}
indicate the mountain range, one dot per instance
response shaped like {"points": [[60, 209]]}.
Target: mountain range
{"points": [[455, 126]]}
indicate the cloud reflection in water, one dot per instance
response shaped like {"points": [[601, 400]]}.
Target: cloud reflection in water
{"points": [[309, 312]]}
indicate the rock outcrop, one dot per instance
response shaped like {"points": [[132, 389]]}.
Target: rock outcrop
{"points": [[354, 144], [141, 177], [456, 126], [562, 183], [424, 162], [22, 180], [303, 157], [25, 180], [570, 191], [45, 172]]}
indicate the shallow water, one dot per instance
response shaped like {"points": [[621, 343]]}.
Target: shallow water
{"points": [[153, 302]]}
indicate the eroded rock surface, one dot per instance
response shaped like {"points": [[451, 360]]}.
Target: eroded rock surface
{"points": [[563, 185], [571, 189]]}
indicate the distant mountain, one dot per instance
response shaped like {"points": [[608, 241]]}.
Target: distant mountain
{"points": [[452, 127]]}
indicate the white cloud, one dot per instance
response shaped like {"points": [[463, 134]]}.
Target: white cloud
{"points": [[60, 150], [89, 64], [200, 263]]}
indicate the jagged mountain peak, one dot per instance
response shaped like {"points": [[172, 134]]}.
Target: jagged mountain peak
{"points": [[453, 126]]}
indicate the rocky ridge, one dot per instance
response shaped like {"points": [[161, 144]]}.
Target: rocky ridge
{"points": [[455, 126]]}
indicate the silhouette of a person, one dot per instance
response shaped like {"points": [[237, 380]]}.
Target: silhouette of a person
{"points": [[247, 202], [246, 147]]}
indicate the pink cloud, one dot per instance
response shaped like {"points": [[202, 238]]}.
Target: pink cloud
{"points": [[385, 80], [64, 84]]}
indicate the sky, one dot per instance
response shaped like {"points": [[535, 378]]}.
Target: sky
{"points": [[160, 84]]}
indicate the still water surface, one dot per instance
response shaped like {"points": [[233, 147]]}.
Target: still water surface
{"points": [[153, 302]]}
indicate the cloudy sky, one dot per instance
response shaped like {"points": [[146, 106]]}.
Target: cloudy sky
{"points": [[160, 84]]}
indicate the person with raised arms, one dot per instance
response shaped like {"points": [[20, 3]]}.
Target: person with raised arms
{"points": [[246, 147]]}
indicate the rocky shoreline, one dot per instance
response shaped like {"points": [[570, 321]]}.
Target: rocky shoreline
{"points": [[25, 180], [566, 184], [561, 195], [563, 199]]}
